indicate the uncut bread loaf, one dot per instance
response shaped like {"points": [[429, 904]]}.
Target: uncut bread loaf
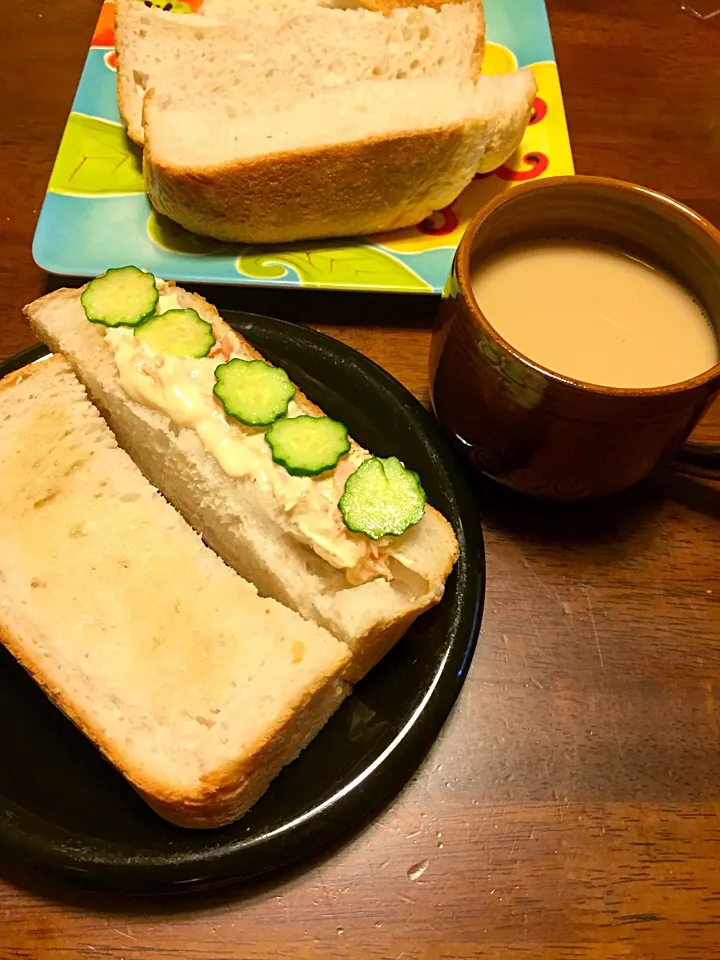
{"points": [[198, 690], [278, 51], [363, 158], [368, 600]]}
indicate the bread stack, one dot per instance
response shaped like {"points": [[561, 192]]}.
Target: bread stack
{"points": [[297, 119]]}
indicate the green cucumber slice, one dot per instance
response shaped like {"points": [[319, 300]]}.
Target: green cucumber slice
{"points": [[382, 498], [121, 297], [181, 332], [252, 391], [307, 446]]}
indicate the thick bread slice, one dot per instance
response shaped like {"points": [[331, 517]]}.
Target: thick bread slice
{"points": [[359, 160], [241, 519], [385, 156], [273, 53], [194, 687]]}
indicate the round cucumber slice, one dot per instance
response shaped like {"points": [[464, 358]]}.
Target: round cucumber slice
{"points": [[182, 333], [382, 498], [121, 297], [252, 391], [307, 446]]}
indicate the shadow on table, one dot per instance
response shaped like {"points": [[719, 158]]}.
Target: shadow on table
{"points": [[179, 903], [615, 519], [695, 493], [317, 307]]}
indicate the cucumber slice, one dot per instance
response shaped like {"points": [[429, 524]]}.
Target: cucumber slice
{"points": [[307, 446], [382, 498], [121, 297], [182, 333], [252, 391]]}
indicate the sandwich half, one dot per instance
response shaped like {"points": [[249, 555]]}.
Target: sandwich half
{"points": [[281, 50], [359, 159], [301, 119], [197, 689], [283, 533]]}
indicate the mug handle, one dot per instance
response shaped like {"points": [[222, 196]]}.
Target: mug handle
{"points": [[698, 459]]}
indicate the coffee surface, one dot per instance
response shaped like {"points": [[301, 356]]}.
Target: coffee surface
{"points": [[595, 314]]}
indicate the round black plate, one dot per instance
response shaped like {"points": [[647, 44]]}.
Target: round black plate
{"points": [[64, 809]]}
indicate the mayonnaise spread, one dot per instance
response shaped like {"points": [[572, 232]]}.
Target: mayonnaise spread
{"points": [[182, 389]]}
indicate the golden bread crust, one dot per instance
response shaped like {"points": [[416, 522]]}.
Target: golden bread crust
{"points": [[343, 190]]}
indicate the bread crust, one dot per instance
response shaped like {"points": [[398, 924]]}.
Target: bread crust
{"points": [[352, 189], [135, 133], [375, 642], [508, 128], [226, 793], [123, 78], [229, 793], [24, 373], [236, 789]]}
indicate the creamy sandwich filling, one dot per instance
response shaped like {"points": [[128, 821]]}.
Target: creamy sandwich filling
{"points": [[182, 389]]}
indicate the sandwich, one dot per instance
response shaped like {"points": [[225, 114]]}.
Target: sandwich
{"points": [[364, 158], [281, 50], [194, 686], [273, 486], [304, 119]]}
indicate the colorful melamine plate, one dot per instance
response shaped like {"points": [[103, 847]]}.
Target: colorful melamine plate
{"points": [[96, 214]]}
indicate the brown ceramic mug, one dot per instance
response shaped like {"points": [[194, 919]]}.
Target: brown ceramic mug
{"points": [[538, 431]]}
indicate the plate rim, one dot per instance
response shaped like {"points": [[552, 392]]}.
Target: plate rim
{"points": [[369, 792]]}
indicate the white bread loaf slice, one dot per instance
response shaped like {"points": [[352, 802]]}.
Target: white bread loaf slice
{"points": [[241, 519], [280, 50], [194, 687], [365, 158], [507, 102]]}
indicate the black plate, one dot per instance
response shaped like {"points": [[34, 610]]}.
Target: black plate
{"points": [[64, 809]]}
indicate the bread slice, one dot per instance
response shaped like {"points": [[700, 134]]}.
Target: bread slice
{"points": [[365, 158], [281, 50], [243, 520], [507, 102], [194, 687]]}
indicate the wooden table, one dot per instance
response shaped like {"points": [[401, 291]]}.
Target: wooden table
{"points": [[571, 806]]}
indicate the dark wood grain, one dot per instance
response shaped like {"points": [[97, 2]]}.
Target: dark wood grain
{"points": [[571, 808]]}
